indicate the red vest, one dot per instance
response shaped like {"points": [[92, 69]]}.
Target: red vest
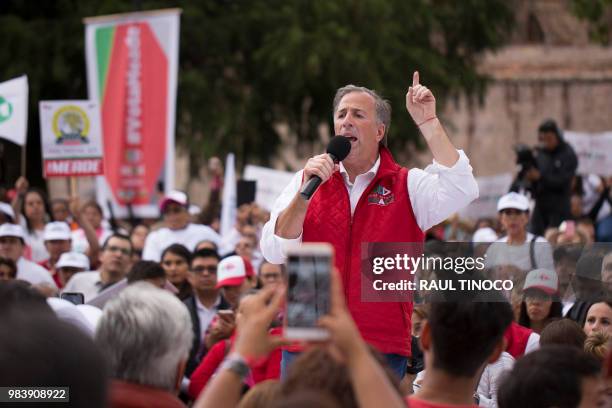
{"points": [[517, 337], [383, 214]]}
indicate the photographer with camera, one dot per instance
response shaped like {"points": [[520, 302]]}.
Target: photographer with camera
{"points": [[548, 176]]}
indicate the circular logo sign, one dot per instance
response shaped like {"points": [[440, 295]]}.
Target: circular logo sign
{"points": [[6, 109], [71, 125]]}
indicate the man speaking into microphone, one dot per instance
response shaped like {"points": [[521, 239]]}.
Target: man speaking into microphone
{"points": [[339, 211]]}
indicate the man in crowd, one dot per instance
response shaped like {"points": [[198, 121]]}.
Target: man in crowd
{"points": [[114, 264], [271, 274], [459, 340], [147, 271], [554, 376], [235, 277], [556, 165], [178, 230], [146, 368], [12, 243], [205, 301], [370, 198]]}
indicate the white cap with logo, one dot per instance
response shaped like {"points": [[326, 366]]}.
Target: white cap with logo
{"points": [[543, 279], [174, 196]]}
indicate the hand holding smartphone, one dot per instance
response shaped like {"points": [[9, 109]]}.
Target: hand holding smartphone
{"points": [[226, 315], [308, 293]]}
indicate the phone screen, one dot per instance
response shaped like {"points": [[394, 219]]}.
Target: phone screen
{"points": [[75, 298], [308, 289]]}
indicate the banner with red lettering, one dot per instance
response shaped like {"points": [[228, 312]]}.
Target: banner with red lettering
{"points": [[71, 138], [132, 64]]}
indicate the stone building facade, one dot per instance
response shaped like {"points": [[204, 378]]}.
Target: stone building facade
{"points": [[550, 69]]}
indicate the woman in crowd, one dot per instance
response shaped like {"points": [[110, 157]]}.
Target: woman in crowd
{"points": [[138, 235], [599, 318], [36, 213], [540, 300], [175, 260], [92, 212]]}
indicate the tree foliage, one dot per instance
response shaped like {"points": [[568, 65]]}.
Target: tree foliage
{"points": [[594, 11], [247, 66]]}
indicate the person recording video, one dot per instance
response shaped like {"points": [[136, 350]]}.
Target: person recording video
{"points": [[547, 174]]}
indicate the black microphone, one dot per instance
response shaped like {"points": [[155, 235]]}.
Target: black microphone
{"points": [[338, 148]]}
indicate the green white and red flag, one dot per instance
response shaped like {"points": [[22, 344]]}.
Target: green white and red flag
{"points": [[132, 65]]}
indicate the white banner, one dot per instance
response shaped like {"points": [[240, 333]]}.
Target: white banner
{"points": [[490, 188], [14, 110], [594, 151], [230, 197], [270, 183], [71, 138]]}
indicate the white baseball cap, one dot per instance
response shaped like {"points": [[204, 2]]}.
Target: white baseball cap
{"points": [[73, 260], [7, 210], [543, 279], [513, 200], [12, 230], [57, 231], [484, 235], [233, 270], [174, 196]]}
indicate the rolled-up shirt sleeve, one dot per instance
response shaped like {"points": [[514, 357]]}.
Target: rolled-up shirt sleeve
{"points": [[438, 191], [272, 246]]}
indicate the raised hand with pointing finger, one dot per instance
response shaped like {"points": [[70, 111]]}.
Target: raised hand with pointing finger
{"points": [[420, 102]]}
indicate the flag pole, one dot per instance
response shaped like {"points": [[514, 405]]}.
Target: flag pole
{"points": [[23, 159], [73, 186]]}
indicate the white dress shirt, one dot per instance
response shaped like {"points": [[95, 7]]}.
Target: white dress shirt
{"points": [[206, 315], [435, 193]]}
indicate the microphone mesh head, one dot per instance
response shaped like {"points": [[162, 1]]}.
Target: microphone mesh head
{"points": [[339, 147]]}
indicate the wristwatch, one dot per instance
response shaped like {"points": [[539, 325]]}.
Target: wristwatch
{"points": [[237, 364]]}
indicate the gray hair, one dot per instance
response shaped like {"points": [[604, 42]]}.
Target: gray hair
{"points": [[145, 333], [383, 106]]}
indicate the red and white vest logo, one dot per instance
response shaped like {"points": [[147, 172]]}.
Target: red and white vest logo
{"points": [[380, 196]]}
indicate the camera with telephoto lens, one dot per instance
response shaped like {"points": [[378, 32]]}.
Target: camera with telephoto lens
{"points": [[526, 161]]}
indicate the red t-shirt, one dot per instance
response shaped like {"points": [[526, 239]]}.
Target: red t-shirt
{"points": [[267, 369], [413, 402]]}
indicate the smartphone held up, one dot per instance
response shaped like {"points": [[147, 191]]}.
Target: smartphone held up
{"points": [[309, 267]]}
